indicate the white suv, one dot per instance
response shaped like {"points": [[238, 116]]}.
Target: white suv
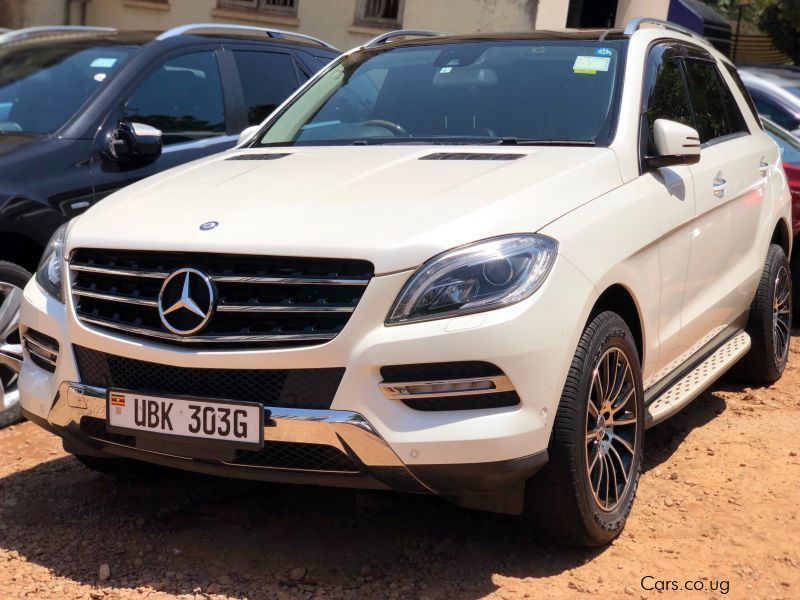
{"points": [[478, 266]]}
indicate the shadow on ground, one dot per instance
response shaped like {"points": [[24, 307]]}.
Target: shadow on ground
{"points": [[185, 531]]}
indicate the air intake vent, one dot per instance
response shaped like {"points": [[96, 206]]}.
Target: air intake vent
{"points": [[270, 156], [471, 156]]}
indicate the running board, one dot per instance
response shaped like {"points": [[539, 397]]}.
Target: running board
{"points": [[695, 382]]}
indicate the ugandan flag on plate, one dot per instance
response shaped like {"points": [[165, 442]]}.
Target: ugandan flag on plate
{"points": [[117, 400]]}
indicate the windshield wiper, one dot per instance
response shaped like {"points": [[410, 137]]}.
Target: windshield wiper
{"points": [[512, 141]]}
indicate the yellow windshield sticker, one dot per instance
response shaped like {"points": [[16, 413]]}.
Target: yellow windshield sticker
{"points": [[591, 64]]}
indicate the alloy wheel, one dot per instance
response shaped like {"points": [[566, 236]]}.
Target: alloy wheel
{"points": [[611, 428], [782, 314], [10, 299]]}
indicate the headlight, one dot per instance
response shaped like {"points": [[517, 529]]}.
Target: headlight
{"points": [[49, 275], [478, 277]]}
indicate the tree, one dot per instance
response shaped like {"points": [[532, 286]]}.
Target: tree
{"points": [[781, 21]]}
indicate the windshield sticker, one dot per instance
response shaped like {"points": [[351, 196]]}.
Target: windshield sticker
{"points": [[100, 76], [590, 65], [603, 51], [446, 69], [103, 63]]}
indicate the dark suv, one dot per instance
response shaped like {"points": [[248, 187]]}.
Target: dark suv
{"points": [[86, 111]]}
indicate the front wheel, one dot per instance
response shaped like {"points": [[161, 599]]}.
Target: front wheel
{"points": [[13, 279], [585, 493]]}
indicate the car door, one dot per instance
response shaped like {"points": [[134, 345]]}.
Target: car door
{"points": [[184, 98], [729, 192], [671, 192], [266, 77]]}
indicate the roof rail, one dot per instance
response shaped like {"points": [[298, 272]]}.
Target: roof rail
{"points": [[634, 24], [21, 34], [273, 33], [385, 37]]}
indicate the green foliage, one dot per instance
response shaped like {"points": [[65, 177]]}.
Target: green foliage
{"points": [[781, 21]]}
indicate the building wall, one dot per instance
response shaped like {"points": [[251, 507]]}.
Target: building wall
{"points": [[27, 13], [630, 9], [331, 20]]}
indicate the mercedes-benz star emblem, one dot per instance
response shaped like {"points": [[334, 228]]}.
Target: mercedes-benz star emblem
{"points": [[186, 301]]}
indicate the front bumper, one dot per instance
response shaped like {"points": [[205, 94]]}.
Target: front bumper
{"points": [[480, 457]]}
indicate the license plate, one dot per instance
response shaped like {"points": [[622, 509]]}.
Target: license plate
{"points": [[239, 424]]}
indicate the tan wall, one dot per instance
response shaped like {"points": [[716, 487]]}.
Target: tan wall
{"points": [[28, 13], [630, 9], [552, 14], [331, 20]]}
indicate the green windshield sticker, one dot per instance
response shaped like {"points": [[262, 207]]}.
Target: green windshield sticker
{"points": [[103, 63], [591, 64]]}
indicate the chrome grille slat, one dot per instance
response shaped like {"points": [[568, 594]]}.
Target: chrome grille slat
{"points": [[199, 339], [115, 298], [265, 301], [223, 278]]}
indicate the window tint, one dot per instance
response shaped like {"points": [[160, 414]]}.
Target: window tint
{"points": [[182, 98], [535, 91], [267, 80], [776, 113], [665, 94], [715, 111], [43, 86], [740, 84]]}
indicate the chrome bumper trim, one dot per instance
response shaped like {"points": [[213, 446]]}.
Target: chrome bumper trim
{"points": [[347, 431], [446, 388]]}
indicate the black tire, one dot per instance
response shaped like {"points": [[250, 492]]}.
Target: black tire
{"points": [[18, 277], [764, 363], [122, 468], [560, 500]]}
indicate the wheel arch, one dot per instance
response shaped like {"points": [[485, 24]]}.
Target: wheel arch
{"points": [[618, 299], [782, 235], [20, 249]]}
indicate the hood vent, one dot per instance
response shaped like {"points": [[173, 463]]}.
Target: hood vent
{"points": [[471, 156], [271, 156]]}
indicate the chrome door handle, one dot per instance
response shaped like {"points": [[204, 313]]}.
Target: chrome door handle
{"points": [[719, 186], [763, 168]]}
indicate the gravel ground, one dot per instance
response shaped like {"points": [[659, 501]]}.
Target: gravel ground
{"points": [[717, 505]]}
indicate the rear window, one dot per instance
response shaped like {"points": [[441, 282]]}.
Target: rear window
{"points": [[740, 84], [716, 113]]}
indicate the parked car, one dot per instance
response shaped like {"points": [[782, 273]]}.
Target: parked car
{"points": [[467, 265], [85, 112], [790, 154], [776, 95]]}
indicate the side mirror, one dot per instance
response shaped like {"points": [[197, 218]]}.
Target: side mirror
{"points": [[676, 144], [135, 142], [247, 134]]}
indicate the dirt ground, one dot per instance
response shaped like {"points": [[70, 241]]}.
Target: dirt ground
{"points": [[717, 508]]}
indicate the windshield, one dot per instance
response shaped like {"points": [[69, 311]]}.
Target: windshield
{"points": [[42, 86], [788, 144], [549, 92]]}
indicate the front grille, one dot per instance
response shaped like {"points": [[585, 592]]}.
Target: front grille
{"points": [[290, 388], [440, 371], [295, 455], [274, 455], [261, 301]]}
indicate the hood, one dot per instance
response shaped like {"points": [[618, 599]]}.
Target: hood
{"points": [[11, 142], [391, 205]]}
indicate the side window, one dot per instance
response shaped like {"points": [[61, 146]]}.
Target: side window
{"points": [[716, 112], [740, 84], [267, 80], [182, 98], [665, 94]]}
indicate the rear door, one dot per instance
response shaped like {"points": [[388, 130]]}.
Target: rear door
{"points": [[184, 97], [729, 192]]}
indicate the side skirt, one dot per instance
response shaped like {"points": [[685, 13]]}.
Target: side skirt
{"points": [[664, 400]]}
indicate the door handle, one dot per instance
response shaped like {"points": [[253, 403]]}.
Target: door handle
{"points": [[719, 186], [763, 168]]}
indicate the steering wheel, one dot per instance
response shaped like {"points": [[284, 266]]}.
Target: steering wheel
{"points": [[396, 129]]}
